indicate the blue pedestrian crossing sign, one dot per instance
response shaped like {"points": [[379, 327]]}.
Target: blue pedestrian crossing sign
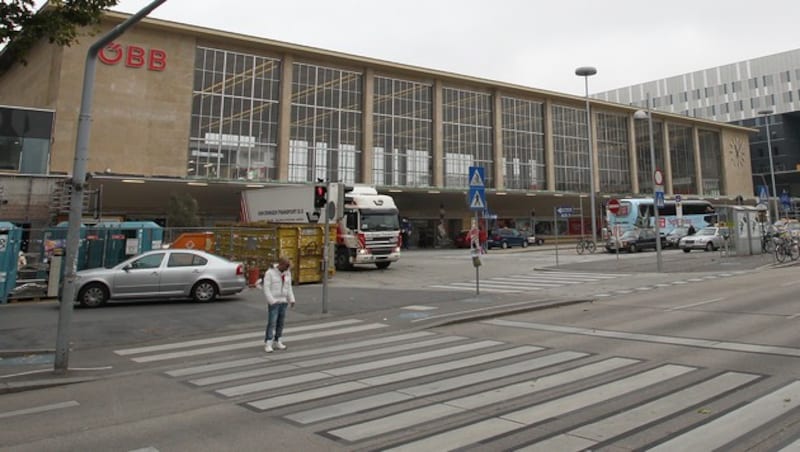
{"points": [[659, 199], [763, 194], [786, 200], [477, 199], [476, 176]]}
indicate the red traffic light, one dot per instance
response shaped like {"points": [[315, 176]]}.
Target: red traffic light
{"points": [[320, 196]]}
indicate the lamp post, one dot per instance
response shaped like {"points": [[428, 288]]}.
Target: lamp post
{"points": [[586, 72], [766, 114], [640, 114]]}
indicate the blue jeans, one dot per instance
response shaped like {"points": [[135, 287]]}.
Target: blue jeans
{"points": [[276, 313]]}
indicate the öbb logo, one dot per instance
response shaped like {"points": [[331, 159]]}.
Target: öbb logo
{"points": [[134, 56]]}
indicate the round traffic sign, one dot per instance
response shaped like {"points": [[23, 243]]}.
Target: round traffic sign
{"points": [[658, 177], [678, 198], [613, 206]]}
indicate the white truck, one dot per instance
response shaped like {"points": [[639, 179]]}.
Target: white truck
{"points": [[368, 228]]}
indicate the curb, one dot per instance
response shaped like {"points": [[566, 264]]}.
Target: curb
{"points": [[19, 386], [499, 312]]}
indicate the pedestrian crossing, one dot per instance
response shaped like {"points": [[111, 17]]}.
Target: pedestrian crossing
{"points": [[529, 282], [375, 389]]}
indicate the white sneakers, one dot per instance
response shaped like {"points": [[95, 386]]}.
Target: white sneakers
{"points": [[278, 344]]}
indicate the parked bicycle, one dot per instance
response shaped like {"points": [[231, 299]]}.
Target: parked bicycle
{"points": [[768, 240], [585, 245], [786, 246]]}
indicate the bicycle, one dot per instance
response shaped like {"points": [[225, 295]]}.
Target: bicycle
{"points": [[786, 246], [585, 245], [768, 240]]}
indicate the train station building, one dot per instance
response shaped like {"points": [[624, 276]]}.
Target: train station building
{"points": [[184, 109]]}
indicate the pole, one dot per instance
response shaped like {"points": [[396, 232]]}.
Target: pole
{"points": [[591, 164], [656, 226], [78, 184], [580, 206], [555, 228], [477, 250], [325, 250], [772, 171]]}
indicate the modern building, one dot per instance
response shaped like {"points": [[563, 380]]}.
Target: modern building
{"points": [[739, 93], [184, 109]]}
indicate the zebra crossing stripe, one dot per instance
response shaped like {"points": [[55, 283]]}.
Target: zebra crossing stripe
{"points": [[187, 371], [320, 361], [492, 427], [525, 282], [588, 436], [241, 345], [448, 384], [584, 274], [39, 409], [727, 428], [328, 391], [472, 288], [230, 338], [347, 370]]}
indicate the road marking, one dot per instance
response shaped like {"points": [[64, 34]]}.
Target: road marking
{"points": [[700, 303], [669, 340], [419, 308], [602, 295], [679, 282], [39, 409], [296, 354], [410, 418], [145, 449], [725, 429], [483, 289], [790, 283], [469, 311], [254, 344], [588, 436], [492, 427], [642, 289], [793, 447], [231, 338]]}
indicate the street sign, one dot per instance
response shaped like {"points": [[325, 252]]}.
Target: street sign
{"points": [[476, 199], [678, 198], [660, 199], [763, 194], [613, 206], [476, 176], [564, 211], [786, 200], [658, 177]]}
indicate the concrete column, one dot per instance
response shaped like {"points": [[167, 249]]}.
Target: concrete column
{"points": [[595, 152], [633, 158], [285, 116], [367, 120], [667, 160], [498, 153], [698, 171], [438, 136], [549, 153]]}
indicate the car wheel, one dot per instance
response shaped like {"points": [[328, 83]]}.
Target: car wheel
{"points": [[204, 291], [632, 249], [524, 244], [93, 295], [686, 250], [504, 245], [710, 247], [382, 265]]}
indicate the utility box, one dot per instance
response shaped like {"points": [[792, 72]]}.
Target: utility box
{"points": [[747, 227]]}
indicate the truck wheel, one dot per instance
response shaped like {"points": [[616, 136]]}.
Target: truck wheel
{"points": [[686, 250], [382, 265], [342, 259]]}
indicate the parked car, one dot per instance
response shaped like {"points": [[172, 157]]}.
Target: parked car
{"points": [[633, 241], [506, 238], [709, 239], [674, 236], [533, 240], [462, 239], [168, 273]]}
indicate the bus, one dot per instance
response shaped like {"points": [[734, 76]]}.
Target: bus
{"points": [[638, 213]]}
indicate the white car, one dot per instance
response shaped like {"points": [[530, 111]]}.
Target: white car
{"points": [[709, 239]]}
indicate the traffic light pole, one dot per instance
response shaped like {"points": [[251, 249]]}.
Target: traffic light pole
{"points": [[326, 249]]}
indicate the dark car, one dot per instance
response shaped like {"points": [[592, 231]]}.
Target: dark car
{"points": [[674, 236], [633, 241], [462, 240], [506, 238]]}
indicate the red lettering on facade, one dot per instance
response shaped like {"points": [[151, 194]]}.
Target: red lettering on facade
{"points": [[157, 60], [134, 57], [111, 54]]}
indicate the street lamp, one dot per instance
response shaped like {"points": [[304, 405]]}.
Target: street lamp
{"points": [[641, 114], [766, 114], [586, 72]]}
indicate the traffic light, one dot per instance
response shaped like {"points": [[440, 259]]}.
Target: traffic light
{"points": [[320, 196]]}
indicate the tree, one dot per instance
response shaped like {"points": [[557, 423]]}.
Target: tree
{"points": [[182, 211], [59, 21]]}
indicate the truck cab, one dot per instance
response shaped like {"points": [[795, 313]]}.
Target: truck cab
{"points": [[369, 231]]}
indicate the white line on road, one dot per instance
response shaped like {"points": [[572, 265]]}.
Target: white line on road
{"points": [[790, 283], [700, 303], [510, 305], [39, 409]]}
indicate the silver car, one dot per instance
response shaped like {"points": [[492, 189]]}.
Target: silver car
{"points": [[709, 239], [169, 273]]}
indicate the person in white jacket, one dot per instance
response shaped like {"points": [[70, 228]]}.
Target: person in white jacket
{"points": [[278, 290]]}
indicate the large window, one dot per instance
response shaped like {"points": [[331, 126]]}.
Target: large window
{"points": [[523, 144], [682, 159], [403, 133], [571, 149], [710, 162], [467, 124], [234, 116], [326, 125], [612, 153], [25, 140], [645, 166]]}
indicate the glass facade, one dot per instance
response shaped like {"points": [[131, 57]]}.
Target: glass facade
{"points": [[710, 162], [403, 133], [571, 149], [645, 166], [612, 153], [25, 140], [325, 137], [233, 134], [467, 135], [523, 144], [684, 180]]}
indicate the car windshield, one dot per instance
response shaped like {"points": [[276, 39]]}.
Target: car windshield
{"points": [[679, 231], [379, 221], [707, 231], [630, 235]]}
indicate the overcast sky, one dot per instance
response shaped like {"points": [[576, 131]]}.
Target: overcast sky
{"points": [[529, 42]]}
